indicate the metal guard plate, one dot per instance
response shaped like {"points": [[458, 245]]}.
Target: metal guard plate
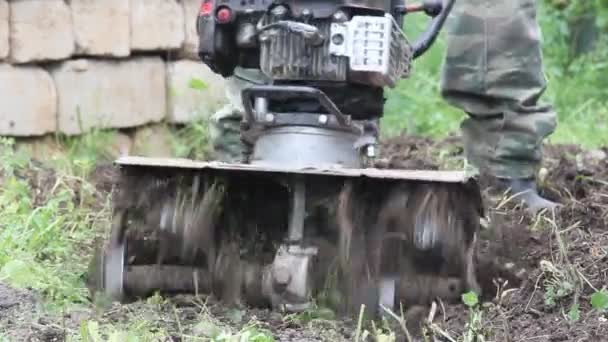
{"points": [[416, 175]]}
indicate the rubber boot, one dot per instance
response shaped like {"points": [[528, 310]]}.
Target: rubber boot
{"points": [[525, 190]]}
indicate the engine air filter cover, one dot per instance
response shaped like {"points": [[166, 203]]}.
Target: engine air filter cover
{"points": [[378, 52]]}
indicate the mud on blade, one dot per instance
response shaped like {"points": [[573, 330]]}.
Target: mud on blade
{"points": [[276, 237]]}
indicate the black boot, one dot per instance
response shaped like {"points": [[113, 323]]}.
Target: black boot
{"points": [[525, 190]]}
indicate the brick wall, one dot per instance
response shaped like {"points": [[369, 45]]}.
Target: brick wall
{"points": [[69, 66]]}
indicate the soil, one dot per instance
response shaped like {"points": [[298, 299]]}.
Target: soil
{"points": [[533, 254], [18, 317], [577, 179]]}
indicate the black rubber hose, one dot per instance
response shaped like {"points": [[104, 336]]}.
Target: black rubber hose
{"points": [[430, 35]]}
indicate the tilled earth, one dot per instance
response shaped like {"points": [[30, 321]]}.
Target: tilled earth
{"points": [[560, 261]]}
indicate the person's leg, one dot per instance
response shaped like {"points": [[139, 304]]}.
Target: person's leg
{"points": [[226, 140], [494, 72], [225, 124]]}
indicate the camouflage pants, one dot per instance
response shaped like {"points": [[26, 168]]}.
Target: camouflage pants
{"points": [[494, 72], [225, 123]]}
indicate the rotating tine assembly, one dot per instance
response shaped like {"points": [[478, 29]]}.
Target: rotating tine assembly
{"points": [[299, 140]]}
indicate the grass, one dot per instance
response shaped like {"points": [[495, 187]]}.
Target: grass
{"points": [[414, 106], [44, 236], [149, 321]]}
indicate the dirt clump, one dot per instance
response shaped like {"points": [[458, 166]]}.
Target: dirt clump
{"points": [[408, 152], [104, 176], [553, 264], [12, 300], [18, 317]]}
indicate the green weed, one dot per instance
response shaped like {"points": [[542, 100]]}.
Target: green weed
{"points": [[92, 331], [248, 334], [558, 284], [599, 301], [192, 141], [214, 331], [82, 153], [474, 329], [45, 232]]}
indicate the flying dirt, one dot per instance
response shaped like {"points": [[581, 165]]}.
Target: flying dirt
{"points": [[307, 210]]}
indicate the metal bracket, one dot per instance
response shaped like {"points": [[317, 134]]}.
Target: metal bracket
{"points": [[290, 276], [267, 91]]}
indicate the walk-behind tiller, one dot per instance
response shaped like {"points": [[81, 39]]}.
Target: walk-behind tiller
{"points": [[306, 213]]}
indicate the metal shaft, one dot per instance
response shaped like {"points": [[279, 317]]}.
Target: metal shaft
{"points": [[298, 210]]}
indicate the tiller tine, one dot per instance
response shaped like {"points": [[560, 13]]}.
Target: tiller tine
{"points": [[276, 237]]}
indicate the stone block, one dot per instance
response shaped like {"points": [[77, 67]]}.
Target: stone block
{"points": [[40, 30], [47, 148], [29, 101], [190, 47], [4, 31], [44, 148], [121, 145], [109, 93], [102, 28], [156, 25], [194, 91], [155, 141]]}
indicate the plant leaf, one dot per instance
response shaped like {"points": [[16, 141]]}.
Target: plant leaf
{"points": [[599, 300], [470, 299], [207, 329], [574, 314], [197, 84]]}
